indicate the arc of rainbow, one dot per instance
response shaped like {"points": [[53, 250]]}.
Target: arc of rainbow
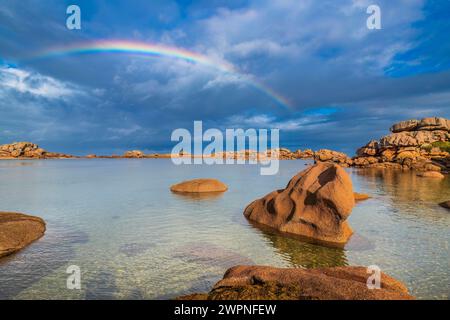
{"points": [[121, 46]]}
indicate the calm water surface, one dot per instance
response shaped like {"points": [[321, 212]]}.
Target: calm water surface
{"points": [[133, 238]]}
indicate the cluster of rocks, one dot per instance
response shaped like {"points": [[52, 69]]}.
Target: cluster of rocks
{"points": [[413, 144], [28, 150], [269, 283], [132, 154], [325, 155], [285, 154]]}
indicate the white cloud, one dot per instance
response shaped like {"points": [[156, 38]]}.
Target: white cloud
{"points": [[34, 83], [262, 46], [225, 79]]}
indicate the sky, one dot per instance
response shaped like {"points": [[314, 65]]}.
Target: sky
{"points": [[309, 68]]}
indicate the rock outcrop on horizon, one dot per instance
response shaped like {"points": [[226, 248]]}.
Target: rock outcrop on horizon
{"points": [[28, 150], [422, 145], [199, 186], [133, 154], [270, 283], [17, 231], [315, 204], [325, 155]]}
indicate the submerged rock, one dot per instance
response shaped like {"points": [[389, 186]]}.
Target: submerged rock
{"points": [[269, 283], [315, 204], [206, 254], [199, 186], [17, 231]]}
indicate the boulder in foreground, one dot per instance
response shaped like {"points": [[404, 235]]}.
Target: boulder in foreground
{"points": [[199, 186], [269, 283], [315, 204], [17, 231]]}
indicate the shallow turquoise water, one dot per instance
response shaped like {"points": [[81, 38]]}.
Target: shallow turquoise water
{"points": [[133, 238]]}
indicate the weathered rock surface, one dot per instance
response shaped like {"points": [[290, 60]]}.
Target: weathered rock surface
{"points": [[421, 145], [315, 204], [269, 283], [325, 155], [17, 231], [199, 186], [28, 150]]}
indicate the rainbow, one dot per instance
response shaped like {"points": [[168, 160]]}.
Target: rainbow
{"points": [[131, 47]]}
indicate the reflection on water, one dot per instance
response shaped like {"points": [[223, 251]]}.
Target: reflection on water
{"points": [[134, 239], [411, 233], [407, 192], [198, 196], [303, 254]]}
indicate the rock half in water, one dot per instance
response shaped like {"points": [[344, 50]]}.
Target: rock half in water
{"points": [[315, 204]]}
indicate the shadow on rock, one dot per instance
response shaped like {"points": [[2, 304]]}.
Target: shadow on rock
{"points": [[301, 253]]}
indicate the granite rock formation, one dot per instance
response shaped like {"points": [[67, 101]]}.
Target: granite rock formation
{"points": [[199, 186], [269, 283], [422, 145], [28, 150], [315, 204], [17, 231]]}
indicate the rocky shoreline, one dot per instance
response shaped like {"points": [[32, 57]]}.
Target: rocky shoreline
{"points": [[421, 145]]}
